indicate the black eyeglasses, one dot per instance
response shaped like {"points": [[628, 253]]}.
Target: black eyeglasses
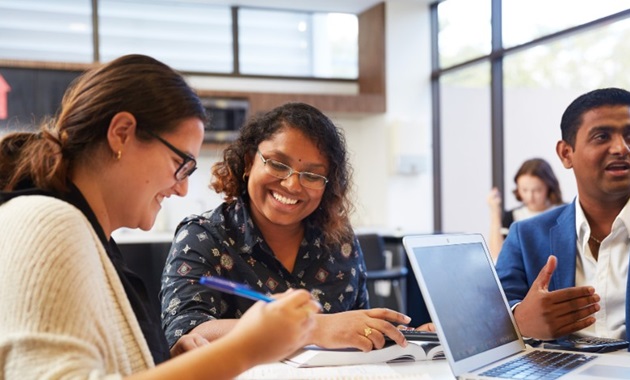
{"points": [[187, 167], [284, 171]]}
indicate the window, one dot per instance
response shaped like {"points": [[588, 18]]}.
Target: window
{"points": [[524, 21], [565, 48], [581, 62], [187, 35], [43, 30], [464, 30], [304, 44], [541, 81]]}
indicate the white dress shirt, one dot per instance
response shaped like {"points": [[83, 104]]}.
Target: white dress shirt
{"points": [[608, 274]]}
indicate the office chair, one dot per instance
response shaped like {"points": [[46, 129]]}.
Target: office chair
{"points": [[386, 281]]}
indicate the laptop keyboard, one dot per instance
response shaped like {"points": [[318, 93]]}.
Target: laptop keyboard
{"points": [[546, 365]]}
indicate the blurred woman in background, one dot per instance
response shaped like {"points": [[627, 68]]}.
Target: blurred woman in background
{"points": [[538, 190]]}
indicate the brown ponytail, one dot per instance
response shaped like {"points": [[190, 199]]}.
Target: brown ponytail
{"points": [[32, 156]]}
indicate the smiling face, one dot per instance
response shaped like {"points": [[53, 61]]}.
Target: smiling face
{"points": [[149, 176], [601, 156], [533, 192], [278, 202]]}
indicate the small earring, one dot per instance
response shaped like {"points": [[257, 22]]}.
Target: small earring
{"points": [[118, 155], [244, 177]]}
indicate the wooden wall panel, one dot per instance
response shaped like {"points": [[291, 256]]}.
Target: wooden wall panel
{"points": [[372, 50]]}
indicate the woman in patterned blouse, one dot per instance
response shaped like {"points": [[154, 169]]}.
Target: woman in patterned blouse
{"points": [[284, 225]]}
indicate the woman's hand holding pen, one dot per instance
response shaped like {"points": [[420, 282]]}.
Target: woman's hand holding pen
{"points": [[361, 329], [276, 329]]}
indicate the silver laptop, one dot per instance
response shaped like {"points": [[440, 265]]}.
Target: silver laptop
{"points": [[471, 314]]}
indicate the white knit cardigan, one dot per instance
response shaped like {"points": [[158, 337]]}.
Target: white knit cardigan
{"points": [[63, 310]]}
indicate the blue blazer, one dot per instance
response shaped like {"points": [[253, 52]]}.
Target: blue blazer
{"points": [[527, 247]]}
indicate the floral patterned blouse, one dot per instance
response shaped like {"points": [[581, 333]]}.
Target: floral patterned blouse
{"points": [[225, 242]]}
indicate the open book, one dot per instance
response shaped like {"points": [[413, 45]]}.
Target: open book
{"points": [[314, 356]]}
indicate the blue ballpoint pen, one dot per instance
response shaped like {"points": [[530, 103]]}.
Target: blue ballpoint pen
{"points": [[231, 287]]}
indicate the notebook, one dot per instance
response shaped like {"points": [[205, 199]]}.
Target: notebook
{"points": [[470, 311]]}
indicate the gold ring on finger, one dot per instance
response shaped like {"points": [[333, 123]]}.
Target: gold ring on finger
{"points": [[367, 331]]}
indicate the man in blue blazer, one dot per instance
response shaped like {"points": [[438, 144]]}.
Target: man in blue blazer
{"points": [[566, 270]]}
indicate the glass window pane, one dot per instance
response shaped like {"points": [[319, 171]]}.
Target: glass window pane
{"points": [[465, 150], [335, 45], [591, 59], [541, 82], [268, 38], [464, 30], [188, 35], [527, 20], [323, 45], [44, 30]]}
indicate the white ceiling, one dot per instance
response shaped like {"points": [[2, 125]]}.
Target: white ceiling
{"points": [[343, 6]]}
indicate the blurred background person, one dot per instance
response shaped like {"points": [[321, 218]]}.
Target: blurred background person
{"points": [[538, 190]]}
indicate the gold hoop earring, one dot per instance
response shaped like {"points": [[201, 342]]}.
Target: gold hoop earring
{"points": [[118, 155], [244, 177]]}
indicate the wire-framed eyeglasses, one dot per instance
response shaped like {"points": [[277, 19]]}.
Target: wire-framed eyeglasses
{"points": [[284, 171], [188, 165]]}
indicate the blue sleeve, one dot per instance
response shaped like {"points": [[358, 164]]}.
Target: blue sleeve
{"points": [[510, 267]]}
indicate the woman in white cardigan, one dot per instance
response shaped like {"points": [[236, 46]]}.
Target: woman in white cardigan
{"points": [[126, 138]]}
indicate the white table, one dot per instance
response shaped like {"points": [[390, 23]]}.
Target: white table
{"points": [[420, 370]]}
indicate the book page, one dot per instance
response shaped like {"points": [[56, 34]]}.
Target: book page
{"points": [[281, 371], [435, 352], [313, 356]]}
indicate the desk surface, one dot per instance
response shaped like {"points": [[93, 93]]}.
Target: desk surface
{"points": [[421, 370]]}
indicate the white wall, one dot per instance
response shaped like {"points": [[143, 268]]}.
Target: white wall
{"points": [[391, 153], [410, 195]]}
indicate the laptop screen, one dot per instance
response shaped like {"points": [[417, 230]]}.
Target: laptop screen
{"points": [[463, 295]]}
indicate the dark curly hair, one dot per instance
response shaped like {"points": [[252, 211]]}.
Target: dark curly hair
{"points": [[157, 96], [332, 216]]}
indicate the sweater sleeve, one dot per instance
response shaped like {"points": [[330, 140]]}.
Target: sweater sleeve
{"points": [[56, 317]]}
